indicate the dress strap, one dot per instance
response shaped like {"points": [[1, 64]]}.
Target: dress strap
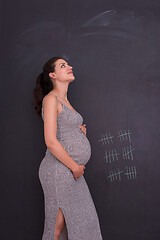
{"points": [[57, 98]]}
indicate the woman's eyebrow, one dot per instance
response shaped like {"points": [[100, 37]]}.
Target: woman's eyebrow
{"points": [[63, 63]]}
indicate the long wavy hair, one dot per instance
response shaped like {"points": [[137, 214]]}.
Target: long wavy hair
{"points": [[43, 84]]}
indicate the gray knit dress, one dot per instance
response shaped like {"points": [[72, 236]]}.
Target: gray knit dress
{"points": [[62, 190]]}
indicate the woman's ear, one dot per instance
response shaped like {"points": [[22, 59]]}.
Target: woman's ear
{"points": [[51, 75]]}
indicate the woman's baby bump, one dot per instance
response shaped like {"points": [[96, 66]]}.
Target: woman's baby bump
{"points": [[77, 145]]}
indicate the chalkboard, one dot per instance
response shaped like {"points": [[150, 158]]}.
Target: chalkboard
{"points": [[115, 59]]}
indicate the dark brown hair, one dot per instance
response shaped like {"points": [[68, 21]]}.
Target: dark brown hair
{"points": [[43, 84]]}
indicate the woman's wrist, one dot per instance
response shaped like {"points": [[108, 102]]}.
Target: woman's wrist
{"points": [[74, 166]]}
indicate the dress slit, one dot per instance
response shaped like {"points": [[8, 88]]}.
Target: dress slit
{"points": [[65, 225]]}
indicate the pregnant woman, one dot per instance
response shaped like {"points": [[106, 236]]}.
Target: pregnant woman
{"points": [[70, 213]]}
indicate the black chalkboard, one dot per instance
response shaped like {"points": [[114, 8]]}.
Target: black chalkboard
{"points": [[115, 59]]}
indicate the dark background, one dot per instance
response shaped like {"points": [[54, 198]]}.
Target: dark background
{"points": [[114, 49]]}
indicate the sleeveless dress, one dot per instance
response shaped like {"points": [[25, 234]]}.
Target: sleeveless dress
{"points": [[62, 190]]}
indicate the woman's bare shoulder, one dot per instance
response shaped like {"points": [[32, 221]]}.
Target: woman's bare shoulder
{"points": [[49, 98]]}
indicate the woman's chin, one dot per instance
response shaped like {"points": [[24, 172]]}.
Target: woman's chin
{"points": [[71, 79]]}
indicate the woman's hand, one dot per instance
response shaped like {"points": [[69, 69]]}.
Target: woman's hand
{"points": [[83, 128], [78, 171]]}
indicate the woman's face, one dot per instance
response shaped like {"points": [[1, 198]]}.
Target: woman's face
{"points": [[63, 72]]}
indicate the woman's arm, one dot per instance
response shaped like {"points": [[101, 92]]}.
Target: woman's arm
{"points": [[50, 108]]}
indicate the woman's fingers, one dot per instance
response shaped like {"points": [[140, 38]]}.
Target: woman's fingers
{"points": [[83, 128]]}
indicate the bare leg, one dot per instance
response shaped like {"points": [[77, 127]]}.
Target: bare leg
{"points": [[60, 223]]}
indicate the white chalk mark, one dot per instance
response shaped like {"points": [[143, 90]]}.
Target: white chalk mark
{"points": [[127, 152], [131, 172], [115, 175], [111, 156], [124, 135], [106, 138]]}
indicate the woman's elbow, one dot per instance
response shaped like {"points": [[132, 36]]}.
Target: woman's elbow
{"points": [[51, 143]]}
